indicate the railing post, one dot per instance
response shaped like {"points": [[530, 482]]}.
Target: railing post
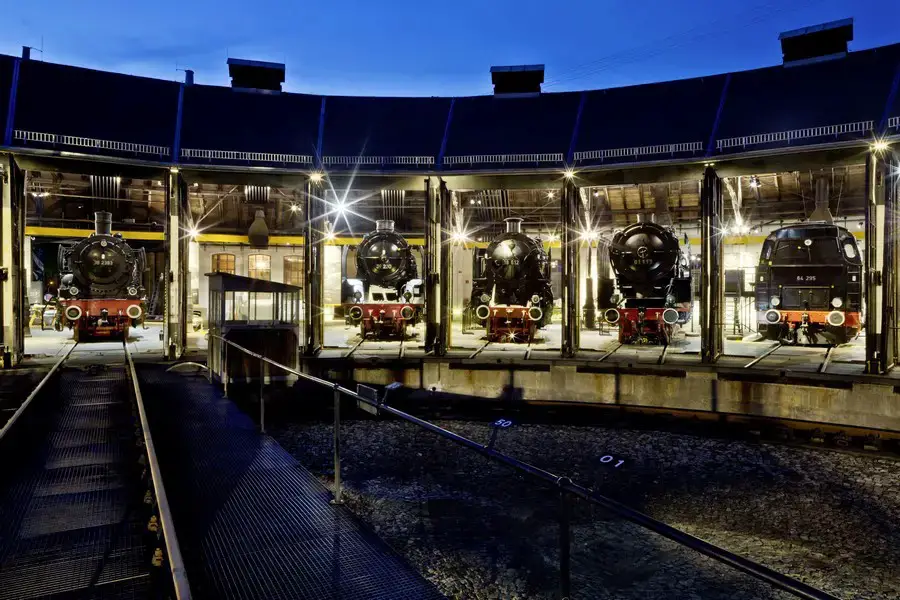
{"points": [[565, 544], [225, 370], [262, 400], [338, 492]]}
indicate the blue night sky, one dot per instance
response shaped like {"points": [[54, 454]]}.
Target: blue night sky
{"points": [[409, 47]]}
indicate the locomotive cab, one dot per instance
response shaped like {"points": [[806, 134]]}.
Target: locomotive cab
{"points": [[809, 285]]}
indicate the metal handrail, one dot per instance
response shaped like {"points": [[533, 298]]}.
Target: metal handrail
{"points": [[761, 572], [176, 563], [24, 406]]}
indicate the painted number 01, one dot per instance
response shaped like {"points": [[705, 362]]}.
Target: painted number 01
{"points": [[608, 459]]}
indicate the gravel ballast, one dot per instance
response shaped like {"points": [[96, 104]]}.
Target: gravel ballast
{"points": [[478, 530]]}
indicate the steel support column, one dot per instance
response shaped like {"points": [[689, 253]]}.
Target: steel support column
{"points": [[445, 278], [177, 244], [891, 283], [13, 308], [431, 268], [313, 255], [712, 274], [570, 275], [879, 305]]}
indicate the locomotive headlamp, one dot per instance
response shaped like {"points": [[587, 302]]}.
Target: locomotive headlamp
{"points": [[775, 301], [670, 299], [134, 311], [132, 291], [73, 291], [837, 302], [535, 313], [407, 312], [611, 315], [535, 299], [356, 312], [408, 295], [483, 312], [73, 313], [773, 316], [670, 316], [485, 298], [836, 318]]}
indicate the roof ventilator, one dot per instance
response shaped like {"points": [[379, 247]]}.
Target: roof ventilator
{"points": [[517, 81], [816, 43], [255, 76]]}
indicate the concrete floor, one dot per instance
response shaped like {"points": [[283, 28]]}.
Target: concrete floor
{"points": [[49, 343], [846, 359]]}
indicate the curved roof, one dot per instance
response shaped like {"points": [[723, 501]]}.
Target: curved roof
{"points": [[70, 108]]}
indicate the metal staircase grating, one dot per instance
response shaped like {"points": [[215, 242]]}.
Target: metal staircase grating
{"points": [[252, 522], [71, 520]]}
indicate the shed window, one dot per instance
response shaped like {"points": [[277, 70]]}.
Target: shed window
{"points": [[259, 266], [223, 263]]}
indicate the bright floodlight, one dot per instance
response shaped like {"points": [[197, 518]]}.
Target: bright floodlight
{"points": [[879, 145], [193, 233], [459, 236], [315, 177], [569, 173], [295, 208], [340, 208], [551, 194], [329, 236], [754, 182]]}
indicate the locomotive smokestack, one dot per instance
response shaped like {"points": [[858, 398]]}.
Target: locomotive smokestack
{"points": [[384, 225], [513, 225], [103, 223]]}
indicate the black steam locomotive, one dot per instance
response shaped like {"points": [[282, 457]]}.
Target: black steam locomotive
{"points": [[101, 291], [511, 293], [388, 294], [809, 285], [654, 281]]}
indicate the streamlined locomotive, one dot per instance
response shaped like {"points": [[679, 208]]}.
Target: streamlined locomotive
{"points": [[511, 293], [654, 282], [387, 295], [101, 292], [809, 285]]}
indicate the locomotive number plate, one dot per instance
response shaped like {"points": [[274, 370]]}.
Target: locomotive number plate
{"points": [[806, 277], [105, 263]]}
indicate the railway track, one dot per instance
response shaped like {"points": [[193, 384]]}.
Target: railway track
{"points": [[84, 506]]}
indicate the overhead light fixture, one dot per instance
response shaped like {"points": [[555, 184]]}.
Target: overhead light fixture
{"points": [[193, 232], [596, 193], [880, 145], [459, 236], [551, 194], [295, 208], [315, 177], [754, 182], [569, 173]]}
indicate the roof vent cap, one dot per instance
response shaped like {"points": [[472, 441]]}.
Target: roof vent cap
{"points": [[816, 43], [256, 75], [518, 80]]}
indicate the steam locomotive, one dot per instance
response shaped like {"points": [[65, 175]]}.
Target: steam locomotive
{"points": [[388, 294], [654, 281], [100, 291], [809, 285], [511, 293]]}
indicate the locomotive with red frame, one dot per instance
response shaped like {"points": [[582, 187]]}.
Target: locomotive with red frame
{"points": [[101, 292], [511, 293], [387, 296], [654, 282], [809, 285]]}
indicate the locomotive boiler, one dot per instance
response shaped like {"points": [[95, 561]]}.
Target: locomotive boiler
{"points": [[101, 292], [654, 282], [809, 285], [387, 294], [511, 293]]}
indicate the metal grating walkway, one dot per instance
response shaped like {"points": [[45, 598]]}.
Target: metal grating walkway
{"points": [[70, 507], [252, 522]]}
